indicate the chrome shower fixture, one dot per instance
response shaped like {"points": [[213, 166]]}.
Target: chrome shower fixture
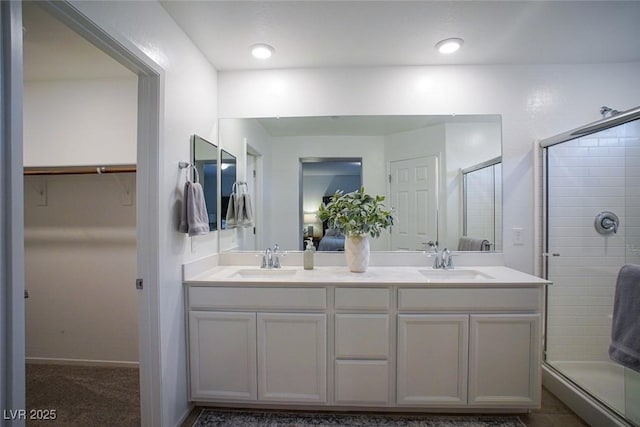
{"points": [[608, 112], [606, 223]]}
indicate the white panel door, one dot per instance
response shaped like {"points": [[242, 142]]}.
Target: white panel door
{"points": [[432, 359], [414, 198], [222, 355], [292, 357], [504, 360]]}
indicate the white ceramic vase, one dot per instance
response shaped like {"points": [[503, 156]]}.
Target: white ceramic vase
{"points": [[357, 251]]}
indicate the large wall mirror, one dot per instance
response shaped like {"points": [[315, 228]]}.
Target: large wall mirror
{"points": [[205, 160], [431, 150]]}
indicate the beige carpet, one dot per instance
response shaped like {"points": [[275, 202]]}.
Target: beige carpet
{"points": [[84, 395]]}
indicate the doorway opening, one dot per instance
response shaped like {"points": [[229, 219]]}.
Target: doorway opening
{"points": [[79, 143], [143, 191], [320, 178]]}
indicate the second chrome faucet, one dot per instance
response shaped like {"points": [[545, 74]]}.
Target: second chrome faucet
{"points": [[271, 258], [441, 260]]}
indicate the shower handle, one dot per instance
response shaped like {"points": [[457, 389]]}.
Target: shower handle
{"points": [[606, 223]]}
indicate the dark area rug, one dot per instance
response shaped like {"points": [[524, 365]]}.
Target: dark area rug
{"points": [[84, 395], [215, 417]]}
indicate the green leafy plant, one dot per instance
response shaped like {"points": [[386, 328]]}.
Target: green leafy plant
{"points": [[356, 213]]}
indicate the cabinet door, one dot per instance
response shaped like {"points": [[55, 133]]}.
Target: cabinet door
{"points": [[222, 355], [432, 359], [292, 357], [504, 368]]}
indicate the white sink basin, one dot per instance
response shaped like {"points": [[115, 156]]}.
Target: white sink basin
{"points": [[448, 275], [264, 272]]}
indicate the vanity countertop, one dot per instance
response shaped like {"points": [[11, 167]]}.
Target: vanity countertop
{"points": [[493, 276]]}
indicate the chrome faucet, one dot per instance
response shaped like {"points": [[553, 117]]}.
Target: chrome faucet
{"points": [[447, 259], [276, 256], [443, 260], [271, 258], [267, 259], [434, 253]]}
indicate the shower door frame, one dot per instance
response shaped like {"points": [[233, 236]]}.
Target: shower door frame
{"points": [[581, 400]]}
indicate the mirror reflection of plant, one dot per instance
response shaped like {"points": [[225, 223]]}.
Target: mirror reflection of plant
{"points": [[356, 213]]}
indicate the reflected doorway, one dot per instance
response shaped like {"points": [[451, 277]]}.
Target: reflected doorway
{"points": [[320, 179], [414, 198]]}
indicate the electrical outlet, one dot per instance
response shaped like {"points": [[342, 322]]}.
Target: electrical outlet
{"points": [[517, 236]]}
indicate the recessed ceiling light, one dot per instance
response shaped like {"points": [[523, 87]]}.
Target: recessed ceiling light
{"points": [[448, 46], [262, 51]]}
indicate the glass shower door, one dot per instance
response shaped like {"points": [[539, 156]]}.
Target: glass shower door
{"points": [[592, 230]]}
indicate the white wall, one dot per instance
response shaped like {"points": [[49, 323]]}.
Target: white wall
{"points": [[535, 102], [80, 122], [189, 105], [80, 267]]}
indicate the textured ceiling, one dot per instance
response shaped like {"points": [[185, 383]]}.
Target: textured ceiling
{"points": [[361, 33], [389, 33]]}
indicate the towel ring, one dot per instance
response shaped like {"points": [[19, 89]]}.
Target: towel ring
{"points": [[185, 165], [237, 184]]}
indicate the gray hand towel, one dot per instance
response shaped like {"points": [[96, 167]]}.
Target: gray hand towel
{"points": [[246, 214], [470, 244], [194, 218], [197, 216], [232, 216], [625, 329], [184, 225]]}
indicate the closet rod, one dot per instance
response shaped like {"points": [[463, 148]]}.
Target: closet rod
{"points": [[80, 170]]}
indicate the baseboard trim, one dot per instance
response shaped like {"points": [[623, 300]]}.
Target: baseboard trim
{"points": [[186, 416], [80, 362]]}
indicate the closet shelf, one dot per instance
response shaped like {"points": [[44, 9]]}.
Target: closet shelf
{"points": [[79, 170]]}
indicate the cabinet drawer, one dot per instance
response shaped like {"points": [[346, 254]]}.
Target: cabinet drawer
{"points": [[205, 297], [362, 336], [362, 299], [470, 299], [362, 382]]}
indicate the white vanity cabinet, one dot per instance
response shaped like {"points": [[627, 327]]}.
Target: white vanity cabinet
{"points": [[384, 345], [243, 347]]}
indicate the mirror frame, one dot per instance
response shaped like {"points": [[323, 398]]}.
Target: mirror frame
{"points": [[202, 176]]}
